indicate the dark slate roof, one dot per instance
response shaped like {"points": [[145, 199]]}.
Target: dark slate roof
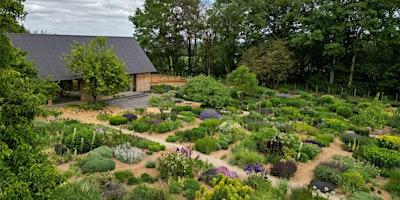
{"points": [[46, 51]]}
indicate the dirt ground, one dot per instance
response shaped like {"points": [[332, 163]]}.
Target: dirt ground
{"points": [[302, 177]]}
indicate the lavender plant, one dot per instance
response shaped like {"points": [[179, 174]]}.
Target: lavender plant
{"points": [[209, 114]]}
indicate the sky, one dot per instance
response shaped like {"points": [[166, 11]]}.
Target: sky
{"points": [[81, 17]]}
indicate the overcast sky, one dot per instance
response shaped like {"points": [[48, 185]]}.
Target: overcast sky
{"points": [[81, 17]]}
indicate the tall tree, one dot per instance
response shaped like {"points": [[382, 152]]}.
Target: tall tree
{"points": [[12, 11], [103, 72]]}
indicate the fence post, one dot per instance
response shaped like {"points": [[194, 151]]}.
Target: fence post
{"points": [[355, 92], [316, 90], [329, 89], [306, 87], [369, 91], [342, 91], [382, 95], [294, 86], [397, 96]]}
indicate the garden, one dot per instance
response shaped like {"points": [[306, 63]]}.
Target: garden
{"points": [[227, 139]]}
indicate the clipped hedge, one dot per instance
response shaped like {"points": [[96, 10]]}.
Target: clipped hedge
{"points": [[118, 120], [103, 151]]}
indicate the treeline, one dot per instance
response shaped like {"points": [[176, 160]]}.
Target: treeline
{"points": [[334, 44]]}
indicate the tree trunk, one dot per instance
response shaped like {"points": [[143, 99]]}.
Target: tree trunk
{"points": [[353, 63], [94, 98], [332, 71], [190, 55]]}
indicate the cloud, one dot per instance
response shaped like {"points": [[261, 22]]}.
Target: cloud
{"points": [[81, 17]]}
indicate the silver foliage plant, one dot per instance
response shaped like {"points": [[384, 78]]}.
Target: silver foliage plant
{"points": [[127, 154]]}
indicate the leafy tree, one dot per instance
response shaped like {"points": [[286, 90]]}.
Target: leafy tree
{"points": [[12, 11], [270, 63], [162, 102], [207, 90], [243, 81], [25, 171], [103, 72]]}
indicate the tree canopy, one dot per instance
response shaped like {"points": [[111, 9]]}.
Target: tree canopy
{"points": [[335, 43], [103, 72]]}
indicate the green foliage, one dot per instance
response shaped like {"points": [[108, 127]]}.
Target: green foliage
{"points": [[324, 139], [241, 157], [328, 174], [127, 154], [171, 138], [83, 140], [374, 116], [162, 88], [83, 189], [366, 169], [211, 125], [156, 147], [145, 177], [243, 81], [191, 135], [393, 186], [175, 165], [224, 145], [325, 99], [226, 188], [364, 196], [206, 90], [311, 150], [283, 169], [140, 126], [190, 186], [98, 105], [103, 116], [162, 102], [143, 192], [389, 142], [150, 164], [206, 145], [351, 181], [103, 151], [123, 175], [96, 164], [290, 112], [167, 126], [344, 111], [118, 120], [181, 108], [381, 157], [304, 193], [103, 72]]}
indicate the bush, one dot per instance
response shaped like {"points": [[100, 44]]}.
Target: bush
{"points": [[206, 145], [364, 196], [283, 169], [104, 151], [208, 175], [351, 181], [241, 157], [381, 157], [103, 117], [366, 169], [224, 144], [324, 139], [144, 143], [167, 126], [143, 192], [83, 189], [389, 142], [139, 126], [175, 165], [190, 186], [82, 140], [304, 194], [118, 120], [129, 116], [133, 180], [175, 187], [211, 125], [97, 164], [393, 186], [209, 114], [188, 119], [156, 147], [123, 175], [171, 138], [191, 135], [311, 150], [290, 112], [362, 132], [297, 103], [127, 154], [323, 186], [162, 88], [150, 164], [145, 177], [326, 99], [326, 173], [344, 111]]}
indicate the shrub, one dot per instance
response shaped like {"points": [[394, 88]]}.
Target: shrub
{"points": [[366, 169], [139, 126], [224, 144], [167, 126], [324, 139], [190, 186], [211, 125], [145, 177], [283, 169], [389, 142], [144, 143], [133, 180], [143, 192], [97, 164], [344, 111], [129, 116], [290, 112], [103, 117], [162, 88], [83, 189], [171, 138], [175, 187], [322, 186], [311, 141], [188, 119], [364, 196], [206, 145], [209, 114], [326, 173], [326, 99], [150, 164], [104, 151], [123, 175], [156, 147], [304, 194], [241, 157], [208, 175], [118, 120], [362, 132], [311, 150], [351, 181], [127, 154], [191, 135], [175, 165], [382, 157], [297, 103], [393, 186], [82, 140]]}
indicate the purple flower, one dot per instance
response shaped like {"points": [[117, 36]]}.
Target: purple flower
{"points": [[130, 116], [209, 114], [256, 169], [311, 141]]}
